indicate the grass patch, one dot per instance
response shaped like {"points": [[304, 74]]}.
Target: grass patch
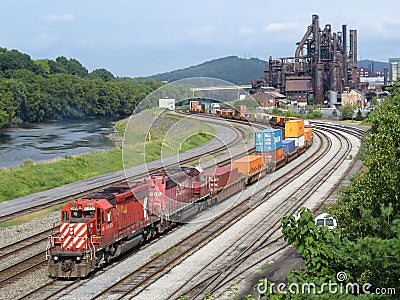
{"points": [[175, 250], [28, 179], [120, 127], [31, 216], [32, 178], [170, 251]]}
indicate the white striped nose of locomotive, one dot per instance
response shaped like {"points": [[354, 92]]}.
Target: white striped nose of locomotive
{"points": [[73, 235]]}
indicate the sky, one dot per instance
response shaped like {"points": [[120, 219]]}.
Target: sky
{"points": [[142, 38]]}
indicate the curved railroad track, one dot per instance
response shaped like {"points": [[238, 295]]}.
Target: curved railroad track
{"points": [[118, 178], [139, 279], [185, 250], [128, 289], [270, 243], [15, 263]]}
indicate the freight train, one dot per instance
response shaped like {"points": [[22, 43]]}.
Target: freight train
{"points": [[102, 226]]}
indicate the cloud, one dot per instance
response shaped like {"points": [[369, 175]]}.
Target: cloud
{"points": [[276, 27], [67, 17], [246, 30], [382, 26]]}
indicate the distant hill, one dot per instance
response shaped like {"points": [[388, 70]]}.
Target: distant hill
{"points": [[231, 68], [239, 70], [372, 65]]}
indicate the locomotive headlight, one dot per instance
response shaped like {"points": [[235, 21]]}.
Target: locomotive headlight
{"points": [[78, 258], [55, 257]]}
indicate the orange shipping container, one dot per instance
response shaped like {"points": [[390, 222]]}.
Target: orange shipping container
{"points": [[248, 164], [294, 128], [307, 134], [271, 156]]}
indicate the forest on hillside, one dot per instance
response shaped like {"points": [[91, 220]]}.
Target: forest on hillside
{"points": [[231, 68], [60, 89]]}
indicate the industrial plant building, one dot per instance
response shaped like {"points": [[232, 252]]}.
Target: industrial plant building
{"points": [[323, 67]]}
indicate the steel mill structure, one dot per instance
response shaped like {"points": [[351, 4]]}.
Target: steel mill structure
{"points": [[323, 65]]}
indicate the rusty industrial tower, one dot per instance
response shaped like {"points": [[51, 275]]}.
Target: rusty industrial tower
{"points": [[321, 64]]}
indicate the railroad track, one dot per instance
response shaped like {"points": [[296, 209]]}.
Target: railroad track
{"points": [[259, 252], [132, 289], [240, 135], [29, 242], [140, 279], [65, 287], [177, 256], [22, 268], [37, 260]]}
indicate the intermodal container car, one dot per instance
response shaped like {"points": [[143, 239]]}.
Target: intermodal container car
{"points": [[241, 108], [220, 177], [294, 128], [288, 146], [248, 164], [268, 140], [299, 141], [307, 134], [271, 156]]}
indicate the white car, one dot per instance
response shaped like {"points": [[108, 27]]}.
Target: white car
{"points": [[325, 219]]}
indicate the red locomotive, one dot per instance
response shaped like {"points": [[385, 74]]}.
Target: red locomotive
{"points": [[101, 226], [96, 228]]}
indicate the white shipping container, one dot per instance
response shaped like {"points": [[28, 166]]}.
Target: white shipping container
{"points": [[299, 142]]}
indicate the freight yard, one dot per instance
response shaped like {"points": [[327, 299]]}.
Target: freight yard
{"points": [[205, 223], [249, 217]]}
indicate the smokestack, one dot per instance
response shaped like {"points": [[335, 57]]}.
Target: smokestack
{"points": [[270, 83], [353, 46], [334, 47], [316, 36], [344, 37]]}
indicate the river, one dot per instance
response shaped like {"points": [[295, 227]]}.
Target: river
{"points": [[47, 141]]}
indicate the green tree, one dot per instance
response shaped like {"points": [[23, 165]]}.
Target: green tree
{"points": [[103, 74], [379, 184], [347, 111], [366, 243], [359, 116], [42, 66], [7, 108], [72, 66]]}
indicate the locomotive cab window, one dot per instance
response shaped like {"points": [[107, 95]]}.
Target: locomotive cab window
{"points": [[88, 214], [109, 216], [65, 215], [76, 214]]}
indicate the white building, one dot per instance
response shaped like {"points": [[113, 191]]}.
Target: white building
{"points": [[167, 103]]}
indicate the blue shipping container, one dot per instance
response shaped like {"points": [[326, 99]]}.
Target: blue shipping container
{"points": [[288, 146], [268, 140], [259, 142]]}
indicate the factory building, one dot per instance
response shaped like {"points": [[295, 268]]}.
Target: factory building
{"points": [[324, 64], [394, 65]]}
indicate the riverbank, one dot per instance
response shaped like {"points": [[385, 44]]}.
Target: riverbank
{"points": [[31, 178], [50, 140]]}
